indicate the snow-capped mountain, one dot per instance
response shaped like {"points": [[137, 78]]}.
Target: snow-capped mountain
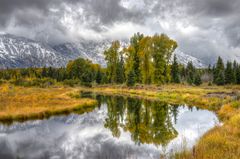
{"points": [[185, 58], [86, 49], [19, 52]]}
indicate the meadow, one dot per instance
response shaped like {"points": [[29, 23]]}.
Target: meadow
{"points": [[22, 103]]}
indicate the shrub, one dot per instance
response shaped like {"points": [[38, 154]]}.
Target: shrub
{"points": [[46, 82], [2, 82], [71, 82], [87, 84]]}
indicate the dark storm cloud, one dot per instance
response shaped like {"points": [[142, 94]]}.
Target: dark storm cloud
{"points": [[221, 14], [215, 8], [107, 10], [33, 16], [9, 8]]}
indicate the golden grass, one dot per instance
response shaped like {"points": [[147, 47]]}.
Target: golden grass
{"points": [[20, 103], [220, 142]]}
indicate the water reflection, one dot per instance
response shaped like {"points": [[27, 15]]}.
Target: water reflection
{"points": [[119, 128], [148, 122]]}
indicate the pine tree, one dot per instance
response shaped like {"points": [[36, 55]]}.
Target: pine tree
{"points": [[190, 71], [50, 72], [104, 76], [197, 79], [182, 73], [235, 67], [209, 70], [218, 73], [229, 74], [44, 72], [220, 78], [131, 78], [175, 71], [99, 77], [238, 75], [120, 70]]}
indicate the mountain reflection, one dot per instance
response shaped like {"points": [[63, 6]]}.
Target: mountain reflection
{"points": [[148, 122]]}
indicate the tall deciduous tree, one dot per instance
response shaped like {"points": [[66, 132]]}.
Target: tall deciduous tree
{"points": [[146, 65], [162, 48], [135, 45], [112, 58], [81, 69]]}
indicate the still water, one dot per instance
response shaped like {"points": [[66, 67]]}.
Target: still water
{"points": [[118, 128]]}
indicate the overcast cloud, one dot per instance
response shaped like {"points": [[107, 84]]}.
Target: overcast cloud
{"points": [[203, 28]]}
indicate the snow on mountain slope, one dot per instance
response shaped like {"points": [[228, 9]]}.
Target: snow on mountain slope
{"points": [[185, 58], [85, 49], [19, 52]]}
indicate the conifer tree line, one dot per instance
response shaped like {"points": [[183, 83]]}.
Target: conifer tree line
{"points": [[146, 60], [79, 71], [226, 74]]}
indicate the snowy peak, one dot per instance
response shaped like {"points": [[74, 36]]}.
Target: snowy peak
{"points": [[185, 58], [19, 52]]}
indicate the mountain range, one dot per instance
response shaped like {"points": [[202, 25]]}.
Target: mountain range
{"points": [[20, 52]]}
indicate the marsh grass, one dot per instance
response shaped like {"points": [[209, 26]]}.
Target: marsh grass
{"points": [[173, 94], [22, 103]]}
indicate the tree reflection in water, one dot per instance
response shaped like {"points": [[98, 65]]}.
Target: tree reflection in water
{"points": [[148, 122]]}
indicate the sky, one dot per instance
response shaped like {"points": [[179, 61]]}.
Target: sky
{"points": [[203, 28]]}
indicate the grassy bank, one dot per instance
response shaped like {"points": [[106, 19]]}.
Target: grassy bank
{"points": [[220, 142], [207, 97], [22, 103]]}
